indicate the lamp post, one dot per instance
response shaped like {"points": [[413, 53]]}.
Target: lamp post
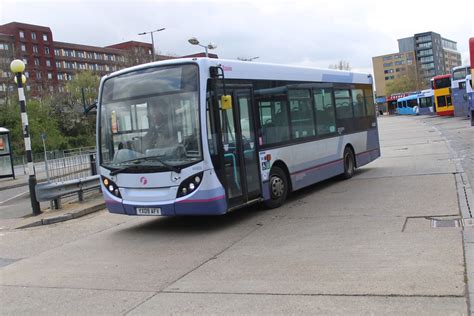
{"points": [[152, 40], [17, 67], [194, 41]]}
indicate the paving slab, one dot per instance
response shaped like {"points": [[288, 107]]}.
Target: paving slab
{"points": [[31, 301], [335, 256], [144, 254], [409, 166], [393, 196], [231, 304]]}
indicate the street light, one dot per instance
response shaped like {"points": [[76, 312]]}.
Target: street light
{"points": [[18, 67], [194, 41], [152, 41]]}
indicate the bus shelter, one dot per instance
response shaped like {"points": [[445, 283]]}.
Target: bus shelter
{"points": [[6, 155]]}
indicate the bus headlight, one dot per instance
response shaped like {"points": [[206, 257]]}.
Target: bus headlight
{"points": [[189, 185], [111, 187]]}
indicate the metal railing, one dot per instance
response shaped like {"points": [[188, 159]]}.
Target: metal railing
{"points": [[65, 173], [55, 191]]}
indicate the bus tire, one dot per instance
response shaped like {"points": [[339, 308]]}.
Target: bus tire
{"points": [[348, 160], [278, 188]]}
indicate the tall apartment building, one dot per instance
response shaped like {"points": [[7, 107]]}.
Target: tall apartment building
{"points": [[50, 64], [435, 55], [431, 53], [392, 66]]}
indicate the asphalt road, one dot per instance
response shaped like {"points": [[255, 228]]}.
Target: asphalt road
{"points": [[365, 245]]}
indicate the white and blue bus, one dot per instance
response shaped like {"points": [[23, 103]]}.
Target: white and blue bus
{"points": [[206, 136], [458, 90], [417, 103]]}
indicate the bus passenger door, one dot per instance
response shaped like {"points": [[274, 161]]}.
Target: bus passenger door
{"points": [[240, 157]]}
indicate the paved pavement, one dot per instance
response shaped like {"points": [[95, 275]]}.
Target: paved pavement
{"points": [[365, 245]]}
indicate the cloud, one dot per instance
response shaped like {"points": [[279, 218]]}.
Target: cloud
{"points": [[313, 33]]}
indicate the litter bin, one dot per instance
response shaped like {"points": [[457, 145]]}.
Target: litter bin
{"points": [[6, 155]]}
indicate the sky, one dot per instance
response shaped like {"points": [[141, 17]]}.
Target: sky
{"points": [[306, 33]]}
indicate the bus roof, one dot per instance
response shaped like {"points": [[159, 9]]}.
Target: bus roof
{"points": [[426, 93], [407, 98], [236, 69], [441, 76], [460, 67]]}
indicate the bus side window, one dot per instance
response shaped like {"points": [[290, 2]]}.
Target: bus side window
{"points": [[324, 108], [302, 123], [274, 120], [369, 102], [343, 104], [358, 102]]}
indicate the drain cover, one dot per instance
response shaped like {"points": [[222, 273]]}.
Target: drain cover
{"points": [[439, 223]]}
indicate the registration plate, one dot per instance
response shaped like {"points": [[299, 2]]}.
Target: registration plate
{"points": [[148, 211]]}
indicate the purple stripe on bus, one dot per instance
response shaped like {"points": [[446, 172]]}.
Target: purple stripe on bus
{"points": [[215, 207], [317, 167], [203, 200]]}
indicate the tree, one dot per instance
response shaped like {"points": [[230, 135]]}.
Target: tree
{"points": [[68, 109], [410, 81], [341, 65], [40, 121]]}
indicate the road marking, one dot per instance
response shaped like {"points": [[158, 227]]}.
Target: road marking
{"points": [[14, 197]]}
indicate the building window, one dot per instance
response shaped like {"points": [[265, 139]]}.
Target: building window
{"points": [[23, 47], [50, 75], [45, 37], [90, 55], [388, 64], [22, 34], [38, 75], [48, 62], [33, 35], [35, 49], [3, 46], [27, 74], [37, 62], [46, 50], [25, 61]]}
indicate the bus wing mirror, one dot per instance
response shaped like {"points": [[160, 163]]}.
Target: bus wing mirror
{"points": [[226, 102]]}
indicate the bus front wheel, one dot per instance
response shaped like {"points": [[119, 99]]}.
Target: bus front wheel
{"points": [[278, 188], [349, 163]]}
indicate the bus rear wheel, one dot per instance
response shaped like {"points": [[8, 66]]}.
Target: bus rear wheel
{"points": [[349, 163], [278, 188]]}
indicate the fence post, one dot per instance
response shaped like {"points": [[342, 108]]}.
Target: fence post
{"points": [[93, 166], [56, 204]]}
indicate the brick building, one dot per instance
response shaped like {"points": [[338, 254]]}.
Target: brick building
{"points": [[50, 64]]}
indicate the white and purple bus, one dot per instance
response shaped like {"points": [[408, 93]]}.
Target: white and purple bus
{"points": [[458, 90], [206, 136]]}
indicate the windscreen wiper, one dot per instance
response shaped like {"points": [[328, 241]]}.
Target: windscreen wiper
{"points": [[137, 160]]}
